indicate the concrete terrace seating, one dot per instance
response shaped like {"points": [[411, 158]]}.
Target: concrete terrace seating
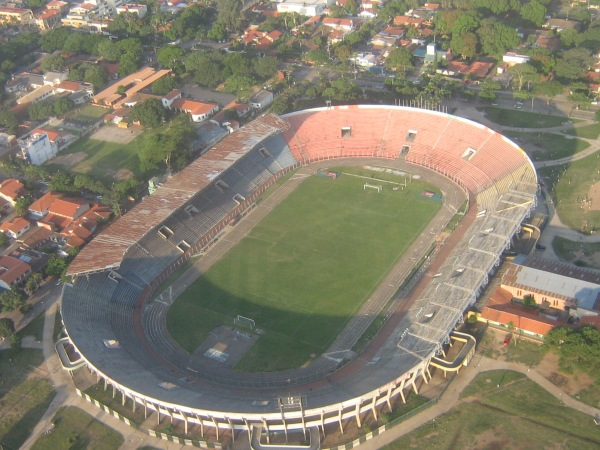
{"points": [[281, 156], [434, 140]]}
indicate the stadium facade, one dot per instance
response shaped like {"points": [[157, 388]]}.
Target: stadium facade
{"points": [[120, 332]]}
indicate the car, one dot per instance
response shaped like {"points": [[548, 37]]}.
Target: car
{"points": [[518, 106], [506, 340], [540, 247]]}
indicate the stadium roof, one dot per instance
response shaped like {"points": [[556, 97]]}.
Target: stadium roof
{"points": [[107, 250]]}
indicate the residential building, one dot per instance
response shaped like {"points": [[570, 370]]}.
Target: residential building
{"points": [[559, 25], [39, 208], [37, 148], [168, 99], [39, 94], [13, 271], [15, 16], [513, 58], [338, 24], [16, 228], [199, 111], [48, 19], [133, 84], [54, 78], [304, 8], [58, 5], [11, 189], [138, 10], [261, 99]]}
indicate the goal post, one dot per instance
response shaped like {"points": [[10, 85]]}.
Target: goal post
{"points": [[377, 187], [244, 322]]}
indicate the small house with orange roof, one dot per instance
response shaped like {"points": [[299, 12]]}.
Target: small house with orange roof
{"points": [[11, 189], [16, 228], [13, 271], [199, 111]]}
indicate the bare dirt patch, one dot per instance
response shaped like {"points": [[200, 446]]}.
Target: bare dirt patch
{"points": [[69, 160], [110, 133], [122, 174], [570, 383], [226, 341], [593, 197]]}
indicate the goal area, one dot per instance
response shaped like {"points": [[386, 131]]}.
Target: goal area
{"points": [[244, 322]]}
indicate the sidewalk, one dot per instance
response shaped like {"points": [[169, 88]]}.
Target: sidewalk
{"points": [[451, 397]]}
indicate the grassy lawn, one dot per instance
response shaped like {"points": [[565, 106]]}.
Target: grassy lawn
{"points": [[519, 414], [579, 253], [302, 273], [105, 158], [524, 351], [552, 146], [522, 119], [570, 184], [34, 328], [76, 429], [23, 396], [89, 113], [588, 132], [106, 398]]}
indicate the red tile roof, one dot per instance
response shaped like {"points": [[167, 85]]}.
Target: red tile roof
{"points": [[11, 188], [15, 226], [12, 268], [67, 85], [192, 106], [68, 207], [44, 202], [171, 95], [52, 135]]}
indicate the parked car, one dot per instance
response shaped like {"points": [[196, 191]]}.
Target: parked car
{"points": [[506, 340]]}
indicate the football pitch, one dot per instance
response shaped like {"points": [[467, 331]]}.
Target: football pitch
{"points": [[306, 268]]}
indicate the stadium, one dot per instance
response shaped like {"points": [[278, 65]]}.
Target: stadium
{"points": [[116, 323]]}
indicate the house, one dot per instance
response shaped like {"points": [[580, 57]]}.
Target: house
{"points": [[13, 271], [242, 108], [63, 211], [11, 189], [379, 40], [54, 78], [365, 60], [501, 311], [513, 58], [37, 148], [304, 8], [404, 21], [58, 5], [16, 84], [134, 83], [261, 99], [16, 228], [39, 208], [138, 10], [168, 99], [338, 24], [555, 285], [559, 25], [48, 19], [39, 94], [198, 110], [15, 16]]}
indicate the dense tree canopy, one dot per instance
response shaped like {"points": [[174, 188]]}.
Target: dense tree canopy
{"points": [[150, 113], [399, 59], [574, 63], [170, 147], [578, 349]]}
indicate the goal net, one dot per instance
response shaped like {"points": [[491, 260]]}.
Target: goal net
{"points": [[377, 187], [244, 322]]}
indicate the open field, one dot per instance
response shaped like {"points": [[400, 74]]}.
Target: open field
{"points": [[569, 186], [102, 159], [517, 414], [24, 396], [303, 272], [588, 131], [522, 119], [548, 146], [584, 254], [88, 113], [76, 429]]}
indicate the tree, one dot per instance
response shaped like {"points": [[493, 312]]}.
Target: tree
{"points": [[40, 110], [171, 147], [548, 89], [109, 50], [399, 59], [96, 76], [150, 113], [129, 63], [574, 63], [11, 300], [9, 120], [522, 73], [54, 39], [53, 63], [7, 327], [230, 13], [33, 282], [22, 205], [3, 240], [578, 349], [237, 64], [465, 22], [61, 182], [496, 38], [164, 85], [90, 184], [61, 106], [56, 267], [265, 67], [171, 56], [217, 32], [238, 82], [464, 44], [534, 12], [36, 4]]}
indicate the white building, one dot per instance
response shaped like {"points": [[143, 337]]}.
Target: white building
{"points": [[305, 8], [514, 58], [261, 99], [140, 10], [37, 148]]}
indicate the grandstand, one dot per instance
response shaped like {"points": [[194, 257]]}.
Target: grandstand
{"points": [[114, 277]]}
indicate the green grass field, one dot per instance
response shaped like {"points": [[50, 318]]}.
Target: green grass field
{"points": [[76, 429], [522, 119], [569, 183], [552, 145], [304, 271], [589, 131], [519, 414], [104, 158]]}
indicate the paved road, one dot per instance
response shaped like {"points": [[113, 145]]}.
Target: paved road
{"points": [[452, 397]]}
